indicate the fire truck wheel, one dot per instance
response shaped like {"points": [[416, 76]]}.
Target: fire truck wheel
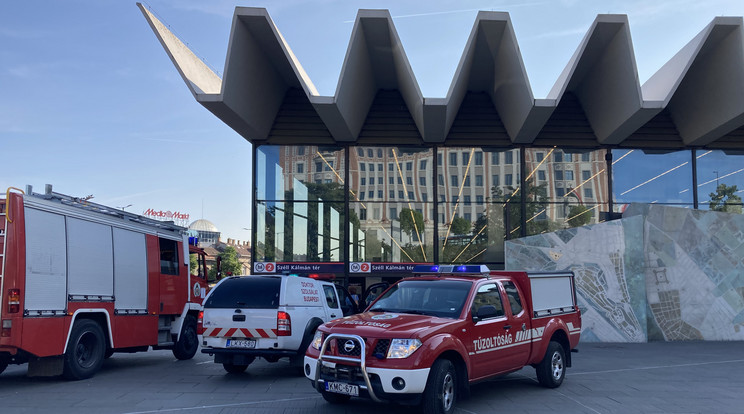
{"points": [[234, 369], [188, 341], [334, 398], [441, 388], [552, 369], [85, 350]]}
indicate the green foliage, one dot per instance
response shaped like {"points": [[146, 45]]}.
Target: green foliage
{"points": [[461, 226], [229, 265], [407, 219], [725, 199], [193, 264], [579, 216]]}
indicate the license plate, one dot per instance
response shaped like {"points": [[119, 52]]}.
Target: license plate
{"points": [[341, 388], [241, 343]]}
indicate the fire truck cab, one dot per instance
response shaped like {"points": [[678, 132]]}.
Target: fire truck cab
{"points": [[80, 281]]}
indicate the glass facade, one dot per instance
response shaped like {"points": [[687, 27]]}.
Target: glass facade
{"points": [[346, 205]]}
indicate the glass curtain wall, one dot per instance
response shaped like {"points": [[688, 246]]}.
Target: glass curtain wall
{"points": [[645, 177], [392, 197], [720, 181], [299, 204], [564, 188], [478, 203]]}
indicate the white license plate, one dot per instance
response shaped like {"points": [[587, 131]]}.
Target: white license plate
{"points": [[241, 343], [341, 388]]}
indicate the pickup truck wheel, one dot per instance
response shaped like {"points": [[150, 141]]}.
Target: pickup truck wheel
{"points": [[85, 350], [188, 341], [334, 398], [552, 369], [441, 388], [234, 369], [3, 365]]}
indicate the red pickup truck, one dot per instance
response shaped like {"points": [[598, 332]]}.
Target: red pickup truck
{"points": [[428, 337]]}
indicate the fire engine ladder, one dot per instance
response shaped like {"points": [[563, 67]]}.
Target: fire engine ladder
{"points": [[99, 208]]}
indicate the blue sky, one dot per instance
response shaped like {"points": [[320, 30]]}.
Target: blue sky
{"points": [[91, 103]]}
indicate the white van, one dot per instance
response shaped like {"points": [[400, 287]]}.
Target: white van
{"points": [[267, 316]]}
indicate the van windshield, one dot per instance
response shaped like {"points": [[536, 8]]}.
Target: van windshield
{"points": [[442, 298], [251, 292]]}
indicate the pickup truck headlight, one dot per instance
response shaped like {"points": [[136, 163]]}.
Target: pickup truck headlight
{"points": [[317, 340], [403, 348]]}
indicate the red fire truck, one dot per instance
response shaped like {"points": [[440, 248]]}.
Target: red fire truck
{"points": [[427, 338], [80, 281]]}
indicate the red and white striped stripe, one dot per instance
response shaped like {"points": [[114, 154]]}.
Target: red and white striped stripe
{"points": [[240, 332]]}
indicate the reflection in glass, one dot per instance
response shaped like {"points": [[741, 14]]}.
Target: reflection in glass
{"points": [[640, 177], [720, 181]]}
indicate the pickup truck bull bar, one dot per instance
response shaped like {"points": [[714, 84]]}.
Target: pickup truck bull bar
{"points": [[360, 361]]}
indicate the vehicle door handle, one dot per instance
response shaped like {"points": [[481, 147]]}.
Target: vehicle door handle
{"points": [[239, 318], [506, 327], [333, 315]]}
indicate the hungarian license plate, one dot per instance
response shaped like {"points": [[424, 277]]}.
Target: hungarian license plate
{"points": [[341, 388], [241, 343]]}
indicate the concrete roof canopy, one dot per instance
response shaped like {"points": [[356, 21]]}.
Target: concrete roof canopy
{"points": [[696, 100]]}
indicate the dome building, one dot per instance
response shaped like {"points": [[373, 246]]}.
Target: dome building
{"points": [[206, 231]]}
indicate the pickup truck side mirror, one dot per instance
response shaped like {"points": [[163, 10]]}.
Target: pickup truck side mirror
{"points": [[485, 312]]}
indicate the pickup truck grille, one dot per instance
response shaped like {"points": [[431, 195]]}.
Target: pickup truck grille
{"points": [[381, 348], [348, 347]]}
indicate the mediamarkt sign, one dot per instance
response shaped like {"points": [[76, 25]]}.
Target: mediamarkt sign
{"points": [[165, 215]]}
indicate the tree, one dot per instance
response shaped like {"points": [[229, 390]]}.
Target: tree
{"points": [[579, 216], [461, 226], [725, 199], [193, 264], [230, 265], [407, 218]]}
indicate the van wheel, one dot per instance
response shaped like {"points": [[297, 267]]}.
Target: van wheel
{"points": [[334, 398], [441, 388], [552, 369], [85, 351], [188, 341], [234, 369]]}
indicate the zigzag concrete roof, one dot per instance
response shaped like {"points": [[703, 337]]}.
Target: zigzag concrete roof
{"points": [[695, 100]]}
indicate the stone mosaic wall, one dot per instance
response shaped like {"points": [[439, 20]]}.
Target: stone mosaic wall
{"points": [[659, 274]]}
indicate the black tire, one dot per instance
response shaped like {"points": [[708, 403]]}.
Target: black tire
{"points": [[552, 369], [188, 341], [334, 398], [109, 353], [85, 351], [3, 365], [440, 393], [298, 360], [234, 369]]}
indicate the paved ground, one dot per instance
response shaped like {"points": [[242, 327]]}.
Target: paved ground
{"points": [[691, 377]]}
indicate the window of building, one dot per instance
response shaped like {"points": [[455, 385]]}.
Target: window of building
{"points": [[360, 152], [585, 157], [441, 179], [588, 193], [371, 194], [541, 175], [329, 166], [300, 167], [376, 213], [409, 180], [363, 214], [508, 179], [361, 195], [393, 213], [453, 159], [454, 182], [390, 167], [585, 174], [495, 158], [509, 157], [467, 216], [379, 155], [495, 180], [391, 180], [439, 159], [401, 195], [479, 180], [371, 167], [370, 153], [409, 166], [560, 191], [410, 195], [400, 181], [392, 194], [539, 156], [422, 180], [422, 165], [569, 175], [424, 197], [478, 157], [479, 199], [301, 150], [467, 181], [318, 166], [568, 157], [454, 199], [465, 158], [362, 181], [466, 200], [557, 156]]}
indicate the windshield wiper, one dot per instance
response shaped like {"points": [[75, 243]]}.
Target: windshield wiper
{"points": [[382, 310], [417, 312]]}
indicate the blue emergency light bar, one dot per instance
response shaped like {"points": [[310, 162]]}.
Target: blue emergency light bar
{"points": [[193, 241], [461, 269]]}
